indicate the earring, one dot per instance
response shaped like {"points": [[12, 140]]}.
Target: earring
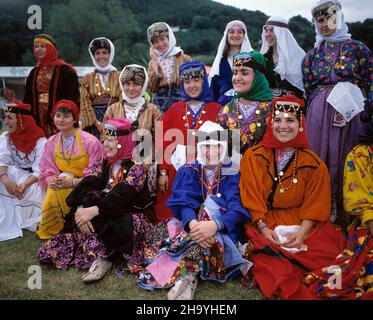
{"points": [[119, 146]]}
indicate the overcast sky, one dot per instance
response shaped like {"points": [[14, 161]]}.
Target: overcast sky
{"points": [[354, 10]]}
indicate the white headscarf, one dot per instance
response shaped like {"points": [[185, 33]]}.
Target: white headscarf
{"points": [[109, 67], [137, 102], [207, 128], [290, 54], [341, 34], [245, 47], [172, 49]]}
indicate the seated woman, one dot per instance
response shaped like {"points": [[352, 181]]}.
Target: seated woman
{"points": [[284, 58], [249, 109], [185, 116], [102, 223], [209, 222], [235, 40], [286, 188], [355, 264], [68, 156], [21, 147]]}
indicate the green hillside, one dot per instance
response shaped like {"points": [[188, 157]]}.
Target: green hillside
{"points": [[73, 23]]}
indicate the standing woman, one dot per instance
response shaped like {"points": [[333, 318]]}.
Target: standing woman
{"points": [[284, 58], [100, 88], [186, 117], [50, 81], [21, 148], [234, 41], [68, 156], [251, 104], [164, 65], [336, 58]]}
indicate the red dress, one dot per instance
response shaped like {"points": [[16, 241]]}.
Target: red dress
{"points": [[177, 118]]}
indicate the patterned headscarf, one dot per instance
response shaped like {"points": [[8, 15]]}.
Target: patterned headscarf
{"points": [[195, 69], [328, 7], [259, 90], [102, 43], [122, 130]]}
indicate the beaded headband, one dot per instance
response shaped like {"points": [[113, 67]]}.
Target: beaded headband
{"points": [[248, 61], [192, 73], [13, 108], [288, 107], [111, 131], [326, 9]]}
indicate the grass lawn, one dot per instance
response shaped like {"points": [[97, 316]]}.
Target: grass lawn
{"points": [[19, 254]]}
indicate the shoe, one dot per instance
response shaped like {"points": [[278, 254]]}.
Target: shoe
{"points": [[183, 288], [190, 289], [97, 270]]}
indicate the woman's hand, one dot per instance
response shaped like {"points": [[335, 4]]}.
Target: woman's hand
{"points": [[12, 189], [270, 235], [64, 183], [84, 215], [203, 231], [87, 228], [153, 55], [52, 183], [163, 183], [22, 188], [295, 240]]}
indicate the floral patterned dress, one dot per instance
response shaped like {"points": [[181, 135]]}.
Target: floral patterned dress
{"points": [[249, 119], [78, 249], [355, 263]]}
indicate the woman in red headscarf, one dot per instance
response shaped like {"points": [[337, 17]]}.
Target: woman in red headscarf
{"points": [[110, 214], [68, 156], [21, 148], [286, 188], [51, 80]]}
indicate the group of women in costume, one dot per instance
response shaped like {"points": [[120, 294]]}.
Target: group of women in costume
{"points": [[186, 210]]}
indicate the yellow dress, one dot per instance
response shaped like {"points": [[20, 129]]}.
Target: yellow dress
{"points": [[54, 206]]}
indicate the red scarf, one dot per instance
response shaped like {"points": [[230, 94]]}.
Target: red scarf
{"points": [[28, 133], [51, 58], [126, 142], [269, 139], [71, 105]]}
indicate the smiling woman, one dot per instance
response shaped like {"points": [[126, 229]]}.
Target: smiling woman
{"points": [[100, 88], [291, 189], [68, 156], [235, 40], [21, 148], [249, 108]]}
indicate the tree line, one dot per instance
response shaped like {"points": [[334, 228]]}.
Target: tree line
{"points": [[74, 23]]}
